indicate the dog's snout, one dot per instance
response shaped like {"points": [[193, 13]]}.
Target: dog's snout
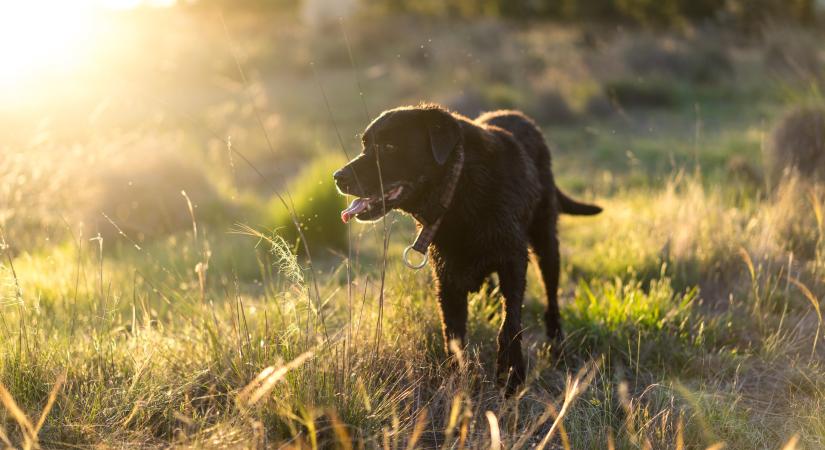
{"points": [[343, 177], [340, 174]]}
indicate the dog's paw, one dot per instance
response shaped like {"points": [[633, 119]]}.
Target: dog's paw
{"points": [[555, 336], [510, 378]]}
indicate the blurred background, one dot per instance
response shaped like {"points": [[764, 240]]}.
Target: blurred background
{"points": [[109, 109]]}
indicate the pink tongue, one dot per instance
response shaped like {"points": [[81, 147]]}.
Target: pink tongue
{"points": [[357, 206]]}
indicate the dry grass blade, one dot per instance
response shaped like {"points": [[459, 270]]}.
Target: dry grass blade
{"points": [[574, 388], [455, 410], [191, 214], [50, 403], [5, 438], [458, 353], [680, 434], [748, 261], [341, 435], [817, 207], [266, 380], [815, 303], [565, 440], [550, 411], [495, 433], [19, 416], [717, 446], [570, 395], [791, 444], [418, 429], [285, 260]]}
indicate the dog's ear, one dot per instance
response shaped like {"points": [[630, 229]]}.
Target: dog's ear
{"points": [[445, 134]]}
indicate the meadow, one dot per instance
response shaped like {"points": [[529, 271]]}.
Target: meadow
{"points": [[154, 290]]}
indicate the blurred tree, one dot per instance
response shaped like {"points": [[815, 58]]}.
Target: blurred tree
{"points": [[747, 13]]}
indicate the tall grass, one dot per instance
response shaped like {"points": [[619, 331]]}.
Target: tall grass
{"points": [[247, 363]]}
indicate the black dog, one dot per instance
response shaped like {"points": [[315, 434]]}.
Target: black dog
{"points": [[495, 175]]}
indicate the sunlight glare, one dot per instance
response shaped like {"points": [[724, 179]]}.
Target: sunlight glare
{"points": [[45, 40], [41, 36]]}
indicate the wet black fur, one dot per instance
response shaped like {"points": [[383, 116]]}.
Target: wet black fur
{"points": [[506, 201]]}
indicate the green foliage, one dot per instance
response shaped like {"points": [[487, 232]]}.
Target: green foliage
{"points": [[316, 203], [622, 306], [635, 93]]}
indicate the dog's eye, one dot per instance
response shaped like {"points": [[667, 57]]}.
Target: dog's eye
{"points": [[390, 149]]}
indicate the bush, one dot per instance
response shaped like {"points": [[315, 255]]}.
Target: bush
{"points": [[647, 56], [550, 107], [317, 206], [695, 62], [472, 102], [709, 64], [788, 53], [641, 93], [739, 168], [747, 14], [599, 106], [142, 195], [797, 143]]}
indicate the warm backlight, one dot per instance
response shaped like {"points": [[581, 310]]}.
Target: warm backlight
{"points": [[38, 37], [44, 40]]}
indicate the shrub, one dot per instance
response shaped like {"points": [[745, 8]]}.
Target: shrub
{"points": [[599, 106], [550, 107], [709, 64], [739, 168], [797, 143], [747, 14], [502, 96], [142, 195], [648, 56], [693, 61], [789, 53], [317, 205], [472, 102], [795, 218], [641, 93]]}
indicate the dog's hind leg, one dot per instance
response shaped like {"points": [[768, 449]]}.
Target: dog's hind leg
{"points": [[510, 363], [545, 245]]}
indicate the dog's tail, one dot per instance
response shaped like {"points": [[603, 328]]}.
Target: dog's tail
{"points": [[569, 206]]}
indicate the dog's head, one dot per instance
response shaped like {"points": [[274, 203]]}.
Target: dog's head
{"points": [[405, 151]]}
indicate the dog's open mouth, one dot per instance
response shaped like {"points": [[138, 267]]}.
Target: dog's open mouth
{"points": [[370, 207]]}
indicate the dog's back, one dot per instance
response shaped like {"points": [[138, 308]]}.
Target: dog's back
{"points": [[527, 134]]}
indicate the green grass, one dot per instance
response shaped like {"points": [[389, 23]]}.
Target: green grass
{"points": [[149, 359], [690, 306]]}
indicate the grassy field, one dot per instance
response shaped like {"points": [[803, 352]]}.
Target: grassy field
{"points": [[154, 291]]}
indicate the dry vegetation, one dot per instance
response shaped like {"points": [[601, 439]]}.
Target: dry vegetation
{"points": [[196, 318]]}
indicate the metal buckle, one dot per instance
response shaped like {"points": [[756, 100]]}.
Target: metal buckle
{"points": [[407, 261]]}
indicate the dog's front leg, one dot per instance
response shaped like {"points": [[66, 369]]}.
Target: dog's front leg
{"points": [[453, 302], [510, 368]]}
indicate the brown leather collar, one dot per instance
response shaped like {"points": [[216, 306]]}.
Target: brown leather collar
{"points": [[432, 220]]}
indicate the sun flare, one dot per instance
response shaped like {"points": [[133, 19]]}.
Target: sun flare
{"points": [[44, 39], [41, 36]]}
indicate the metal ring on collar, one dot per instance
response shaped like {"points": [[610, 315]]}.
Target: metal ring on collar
{"points": [[409, 264]]}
